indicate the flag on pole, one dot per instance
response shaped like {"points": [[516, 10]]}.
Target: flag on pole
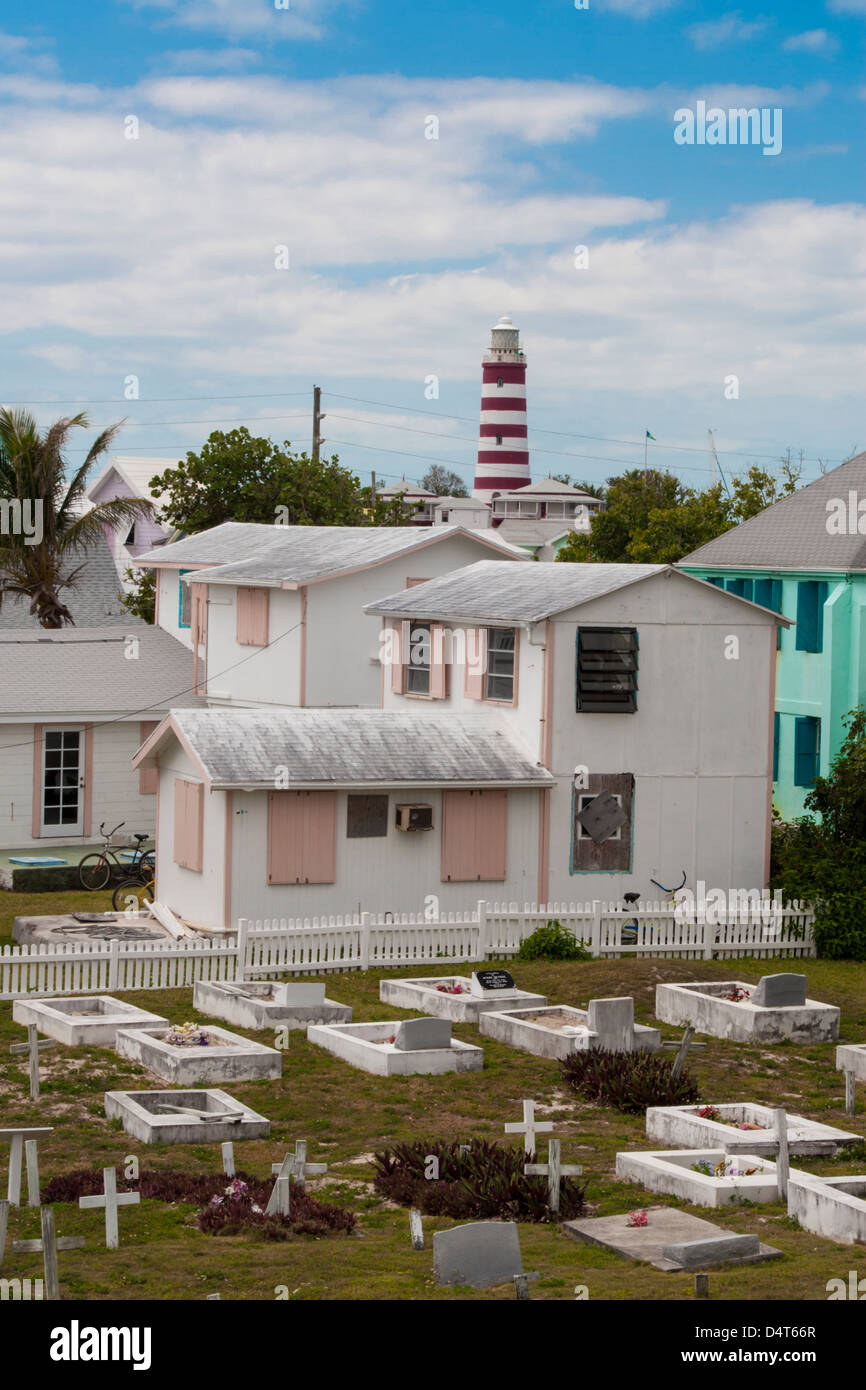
{"points": [[652, 437]]}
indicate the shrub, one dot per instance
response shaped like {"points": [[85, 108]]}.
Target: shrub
{"points": [[485, 1181], [245, 1209], [629, 1081], [553, 942]]}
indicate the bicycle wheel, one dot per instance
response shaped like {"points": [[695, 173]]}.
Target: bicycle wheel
{"points": [[94, 872], [146, 865], [131, 894]]}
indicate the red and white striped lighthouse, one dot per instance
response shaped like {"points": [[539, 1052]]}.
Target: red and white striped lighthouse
{"points": [[503, 453]]}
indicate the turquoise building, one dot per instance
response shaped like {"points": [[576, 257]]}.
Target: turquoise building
{"points": [[805, 557]]}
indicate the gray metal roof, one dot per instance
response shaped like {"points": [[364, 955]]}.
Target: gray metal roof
{"points": [[245, 551], [549, 487], [534, 533], [333, 748], [792, 533], [93, 599], [511, 593], [84, 670]]}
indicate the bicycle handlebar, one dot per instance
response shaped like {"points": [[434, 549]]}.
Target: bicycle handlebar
{"points": [[111, 832]]}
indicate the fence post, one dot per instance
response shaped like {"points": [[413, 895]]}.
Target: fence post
{"points": [[113, 964], [241, 947], [707, 939], [365, 941], [595, 935], [482, 930]]}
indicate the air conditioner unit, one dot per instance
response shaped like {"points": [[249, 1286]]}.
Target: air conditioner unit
{"points": [[414, 817]]}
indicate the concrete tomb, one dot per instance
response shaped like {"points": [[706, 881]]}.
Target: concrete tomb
{"points": [[558, 1031], [226, 1057], [84, 1021], [250, 1004], [453, 996], [683, 1126], [834, 1208], [733, 1009], [480, 1255], [851, 1059], [399, 1049], [184, 1117], [672, 1240], [706, 1177]]}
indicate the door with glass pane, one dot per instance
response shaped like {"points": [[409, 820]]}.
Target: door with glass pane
{"points": [[63, 781]]}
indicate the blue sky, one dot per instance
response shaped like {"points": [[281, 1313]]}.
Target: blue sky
{"points": [[304, 127]]}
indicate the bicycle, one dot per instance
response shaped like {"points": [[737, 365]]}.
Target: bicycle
{"points": [[630, 929], [95, 870], [131, 894]]}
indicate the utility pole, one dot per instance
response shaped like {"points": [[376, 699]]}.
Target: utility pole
{"points": [[318, 417], [712, 458]]}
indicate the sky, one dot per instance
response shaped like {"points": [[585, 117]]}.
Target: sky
{"points": [[209, 206]]}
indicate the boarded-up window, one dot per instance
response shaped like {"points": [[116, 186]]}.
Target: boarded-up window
{"points": [[613, 852], [474, 836], [607, 670], [252, 623], [148, 777], [188, 824], [366, 817], [302, 837]]}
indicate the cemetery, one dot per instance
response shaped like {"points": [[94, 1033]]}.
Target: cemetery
{"points": [[462, 998], [561, 1030], [775, 1009], [705, 1177], [250, 1004], [694, 1126], [417, 1046], [84, 1021], [219, 1056], [184, 1117]]}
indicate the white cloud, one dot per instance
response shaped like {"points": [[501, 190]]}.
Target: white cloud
{"points": [[847, 6], [265, 19], [200, 60], [731, 28], [27, 54], [638, 9], [817, 41]]}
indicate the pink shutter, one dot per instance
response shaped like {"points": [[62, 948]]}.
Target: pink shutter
{"points": [[491, 834], [458, 836], [438, 668], [397, 664], [413, 583], [252, 617], [188, 824], [148, 777], [285, 837], [320, 837], [516, 664], [476, 662]]}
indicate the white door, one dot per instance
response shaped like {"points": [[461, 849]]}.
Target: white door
{"points": [[62, 781]]}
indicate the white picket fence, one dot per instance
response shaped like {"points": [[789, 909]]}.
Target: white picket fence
{"points": [[369, 940]]}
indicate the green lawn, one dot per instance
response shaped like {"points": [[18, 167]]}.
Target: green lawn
{"points": [[347, 1114]]}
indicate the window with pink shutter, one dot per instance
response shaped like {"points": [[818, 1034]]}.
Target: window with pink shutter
{"points": [[474, 836], [148, 777], [476, 662], [398, 658], [252, 621], [302, 837], [188, 824]]}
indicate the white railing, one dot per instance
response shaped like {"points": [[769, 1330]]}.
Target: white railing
{"points": [[379, 940]]}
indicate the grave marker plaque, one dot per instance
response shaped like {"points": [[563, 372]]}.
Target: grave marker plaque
{"points": [[421, 1034], [485, 982], [780, 991]]}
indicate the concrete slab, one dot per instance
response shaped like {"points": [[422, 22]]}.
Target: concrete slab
{"points": [[667, 1226], [84, 1020], [540, 1030], [704, 1006], [370, 1047], [852, 1057], [682, 1127], [746, 1177], [465, 1007], [70, 928], [699, 1254], [480, 1255], [267, 1006], [220, 1116], [834, 1208], [229, 1057]]}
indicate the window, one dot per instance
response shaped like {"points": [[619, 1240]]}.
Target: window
{"points": [[608, 849], [499, 382], [741, 587], [501, 649], [499, 439], [807, 750], [252, 617], [184, 601], [776, 723], [474, 836], [768, 593], [188, 824], [418, 666], [148, 777], [366, 817], [607, 661], [811, 596], [130, 535], [302, 837], [717, 580]]}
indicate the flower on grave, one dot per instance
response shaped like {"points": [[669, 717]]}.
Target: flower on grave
{"points": [[393, 1038], [217, 1201], [255, 1207], [451, 989], [637, 1218], [709, 1112], [237, 1190], [187, 1035], [737, 995]]}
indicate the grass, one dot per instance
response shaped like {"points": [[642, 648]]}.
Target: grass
{"points": [[347, 1114]]}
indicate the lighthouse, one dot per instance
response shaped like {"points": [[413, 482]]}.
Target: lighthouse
{"points": [[503, 454]]}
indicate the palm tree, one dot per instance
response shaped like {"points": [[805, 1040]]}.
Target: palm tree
{"points": [[32, 470]]}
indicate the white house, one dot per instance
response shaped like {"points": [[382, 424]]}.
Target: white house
{"points": [[549, 732], [75, 705], [126, 476], [274, 614], [542, 515]]}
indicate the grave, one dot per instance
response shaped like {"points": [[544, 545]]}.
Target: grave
{"points": [[559, 1031], [665, 1240], [414, 1047], [707, 1007], [84, 1021], [72, 928], [465, 1007], [227, 1057], [480, 1255], [682, 1126], [23, 1146], [248, 1004], [731, 1177], [834, 1208], [851, 1059], [111, 1200], [184, 1117]]}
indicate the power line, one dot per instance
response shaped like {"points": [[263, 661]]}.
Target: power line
{"points": [[163, 400]]}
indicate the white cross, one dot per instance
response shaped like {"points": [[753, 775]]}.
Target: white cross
{"points": [[228, 1152], [47, 1247], [294, 1165], [553, 1170], [778, 1146], [21, 1142], [33, 1046], [530, 1127], [111, 1199], [683, 1047]]}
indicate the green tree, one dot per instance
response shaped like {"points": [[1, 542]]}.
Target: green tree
{"points": [[444, 482], [238, 477], [758, 489], [582, 484], [42, 564], [672, 532], [141, 599]]}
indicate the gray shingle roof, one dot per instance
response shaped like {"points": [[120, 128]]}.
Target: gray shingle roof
{"points": [[536, 533], [93, 599], [332, 748], [547, 487], [511, 593], [792, 533], [81, 670], [262, 554]]}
